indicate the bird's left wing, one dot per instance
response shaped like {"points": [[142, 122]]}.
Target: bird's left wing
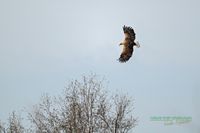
{"points": [[129, 33]]}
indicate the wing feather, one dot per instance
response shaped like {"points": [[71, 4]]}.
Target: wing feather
{"points": [[129, 32], [126, 54]]}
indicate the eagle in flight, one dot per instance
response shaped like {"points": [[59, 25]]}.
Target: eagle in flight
{"points": [[128, 44]]}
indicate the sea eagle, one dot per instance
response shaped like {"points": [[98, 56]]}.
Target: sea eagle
{"points": [[128, 44]]}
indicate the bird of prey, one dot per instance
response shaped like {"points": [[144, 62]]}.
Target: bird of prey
{"points": [[128, 44]]}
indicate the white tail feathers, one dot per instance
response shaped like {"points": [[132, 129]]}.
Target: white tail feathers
{"points": [[137, 44]]}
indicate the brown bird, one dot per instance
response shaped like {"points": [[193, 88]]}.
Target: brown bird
{"points": [[128, 44]]}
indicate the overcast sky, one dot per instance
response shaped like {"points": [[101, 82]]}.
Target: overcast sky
{"points": [[46, 43]]}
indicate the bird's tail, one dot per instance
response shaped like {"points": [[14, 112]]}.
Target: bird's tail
{"points": [[137, 44]]}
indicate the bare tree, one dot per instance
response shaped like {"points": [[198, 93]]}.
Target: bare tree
{"points": [[84, 107], [2, 128], [14, 124]]}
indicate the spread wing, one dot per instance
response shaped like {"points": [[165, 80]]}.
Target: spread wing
{"points": [[126, 54], [129, 33], [128, 44]]}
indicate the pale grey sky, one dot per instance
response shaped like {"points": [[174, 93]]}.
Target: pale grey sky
{"points": [[46, 43]]}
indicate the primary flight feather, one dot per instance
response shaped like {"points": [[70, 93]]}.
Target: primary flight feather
{"points": [[128, 44]]}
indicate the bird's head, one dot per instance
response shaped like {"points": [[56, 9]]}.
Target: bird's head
{"points": [[125, 41]]}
